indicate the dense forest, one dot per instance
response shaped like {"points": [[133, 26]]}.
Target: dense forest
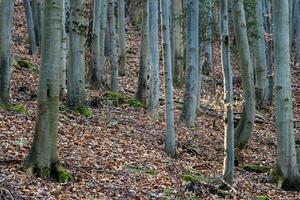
{"points": [[150, 99]]}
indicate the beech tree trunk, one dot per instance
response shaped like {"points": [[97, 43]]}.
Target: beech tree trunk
{"points": [[170, 146], [112, 48], [122, 37], [6, 11], [76, 65], [228, 96], [43, 159], [154, 59], [141, 93], [192, 80], [30, 27], [287, 167], [261, 81], [244, 129]]}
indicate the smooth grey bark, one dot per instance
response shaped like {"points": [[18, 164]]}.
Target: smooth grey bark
{"points": [[228, 168], [154, 59], [6, 10], [208, 50], [76, 64], [30, 27], [287, 167], [244, 129], [170, 146], [192, 81], [261, 81], [177, 43], [103, 35], [297, 32], [95, 68], [122, 38], [112, 48], [141, 93], [269, 48], [36, 6], [63, 80], [42, 158]]}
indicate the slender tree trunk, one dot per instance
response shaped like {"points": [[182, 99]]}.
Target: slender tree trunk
{"points": [[43, 158], [76, 66], [63, 81], [103, 35], [95, 71], [141, 93], [244, 129], [122, 38], [286, 150], [30, 27], [177, 43], [188, 114], [36, 6], [113, 48], [208, 51], [170, 146], [6, 10], [297, 32], [269, 49], [154, 59], [261, 82], [228, 96]]}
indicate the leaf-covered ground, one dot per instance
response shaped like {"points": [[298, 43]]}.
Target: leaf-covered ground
{"points": [[118, 152]]}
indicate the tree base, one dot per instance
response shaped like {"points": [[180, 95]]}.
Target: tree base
{"points": [[56, 173]]}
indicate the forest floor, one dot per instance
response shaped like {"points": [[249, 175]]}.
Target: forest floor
{"points": [[117, 153]]}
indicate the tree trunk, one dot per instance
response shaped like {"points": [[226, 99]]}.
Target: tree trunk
{"points": [[286, 151], [154, 59], [95, 71], [177, 43], [208, 51], [30, 27], [42, 158], [63, 81], [103, 35], [76, 66], [244, 129], [113, 48], [228, 96], [6, 10], [170, 146], [188, 114], [122, 38], [141, 93], [261, 82]]}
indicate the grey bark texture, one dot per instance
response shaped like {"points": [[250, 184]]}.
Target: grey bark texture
{"points": [[43, 159], [122, 37], [287, 167], [244, 129], [6, 8], [192, 80], [141, 93], [154, 59], [76, 64], [228, 167], [30, 27], [170, 146]]}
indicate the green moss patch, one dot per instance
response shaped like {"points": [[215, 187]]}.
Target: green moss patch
{"points": [[14, 63], [261, 197], [255, 168], [117, 99], [136, 169], [19, 108], [25, 63], [84, 111]]}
